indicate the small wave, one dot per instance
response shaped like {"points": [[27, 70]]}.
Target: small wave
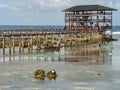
{"points": [[5, 87], [83, 88], [80, 83], [116, 33]]}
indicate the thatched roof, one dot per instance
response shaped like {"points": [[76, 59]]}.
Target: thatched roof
{"points": [[89, 8]]}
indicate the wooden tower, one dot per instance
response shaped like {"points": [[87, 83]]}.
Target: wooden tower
{"points": [[88, 17]]}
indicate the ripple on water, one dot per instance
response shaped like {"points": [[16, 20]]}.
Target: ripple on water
{"points": [[9, 73], [116, 81], [91, 71], [5, 74], [80, 83], [5, 87], [83, 88]]}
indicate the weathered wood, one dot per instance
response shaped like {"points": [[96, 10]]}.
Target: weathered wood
{"points": [[48, 39]]}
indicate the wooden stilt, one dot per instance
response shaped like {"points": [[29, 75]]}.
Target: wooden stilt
{"points": [[3, 45], [31, 42], [28, 44], [13, 44], [46, 38], [53, 38], [22, 44]]}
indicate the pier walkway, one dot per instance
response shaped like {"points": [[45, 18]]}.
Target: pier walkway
{"points": [[35, 32], [46, 39]]}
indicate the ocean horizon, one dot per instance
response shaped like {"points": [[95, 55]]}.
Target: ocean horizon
{"points": [[26, 27]]}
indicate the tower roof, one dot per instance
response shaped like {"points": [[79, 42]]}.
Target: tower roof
{"points": [[89, 8]]}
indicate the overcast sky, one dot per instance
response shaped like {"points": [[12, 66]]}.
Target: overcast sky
{"points": [[46, 12]]}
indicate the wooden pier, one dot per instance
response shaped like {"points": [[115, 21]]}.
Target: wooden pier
{"points": [[39, 38], [83, 25]]}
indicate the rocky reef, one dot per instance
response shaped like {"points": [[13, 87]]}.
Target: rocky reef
{"points": [[52, 75], [40, 74]]}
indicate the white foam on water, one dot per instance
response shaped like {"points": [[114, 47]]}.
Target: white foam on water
{"points": [[31, 88], [25, 76], [5, 74], [91, 71], [116, 81], [115, 32], [80, 83], [5, 87], [83, 88]]}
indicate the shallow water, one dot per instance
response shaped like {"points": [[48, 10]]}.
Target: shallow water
{"points": [[78, 68]]}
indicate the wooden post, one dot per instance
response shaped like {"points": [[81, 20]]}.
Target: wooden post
{"points": [[9, 46], [59, 37], [31, 42], [65, 37], [37, 42], [97, 18], [13, 41], [111, 24], [53, 38], [69, 22], [3, 45], [13, 44], [46, 38], [28, 43], [23, 43], [19, 44], [65, 19], [71, 42]]}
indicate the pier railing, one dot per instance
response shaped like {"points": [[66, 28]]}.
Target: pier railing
{"points": [[35, 32]]}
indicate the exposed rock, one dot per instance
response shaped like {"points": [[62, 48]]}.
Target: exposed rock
{"points": [[39, 74], [52, 75], [99, 74]]}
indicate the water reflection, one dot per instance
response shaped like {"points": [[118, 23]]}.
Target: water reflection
{"points": [[85, 55]]}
